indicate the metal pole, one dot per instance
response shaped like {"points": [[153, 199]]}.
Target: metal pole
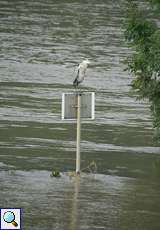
{"points": [[78, 158]]}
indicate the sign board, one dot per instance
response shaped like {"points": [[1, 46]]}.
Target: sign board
{"points": [[69, 105]]}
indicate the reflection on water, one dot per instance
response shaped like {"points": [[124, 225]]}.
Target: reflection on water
{"points": [[74, 209], [41, 43], [93, 201]]}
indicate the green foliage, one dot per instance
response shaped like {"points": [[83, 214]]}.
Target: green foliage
{"points": [[155, 2], [143, 36]]}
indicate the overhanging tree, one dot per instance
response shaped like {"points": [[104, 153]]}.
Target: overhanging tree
{"points": [[142, 33]]}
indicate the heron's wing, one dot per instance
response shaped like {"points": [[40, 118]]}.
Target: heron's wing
{"points": [[82, 74]]}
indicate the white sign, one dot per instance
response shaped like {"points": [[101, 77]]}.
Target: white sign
{"points": [[69, 105]]}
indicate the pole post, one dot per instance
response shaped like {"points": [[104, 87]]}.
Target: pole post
{"points": [[78, 157]]}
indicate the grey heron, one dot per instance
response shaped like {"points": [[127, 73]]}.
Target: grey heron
{"points": [[81, 72]]}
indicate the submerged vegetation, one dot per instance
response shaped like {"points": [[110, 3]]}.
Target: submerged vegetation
{"points": [[142, 32]]}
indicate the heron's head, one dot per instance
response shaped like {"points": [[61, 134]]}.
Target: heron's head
{"points": [[86, 62]]}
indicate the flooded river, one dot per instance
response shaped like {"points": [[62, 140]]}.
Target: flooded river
{"points": [[42, 42]]}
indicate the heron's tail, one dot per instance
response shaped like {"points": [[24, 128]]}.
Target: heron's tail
{"points": [[75, 83]]}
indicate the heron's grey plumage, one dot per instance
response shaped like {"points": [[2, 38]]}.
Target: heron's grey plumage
{"points": [[81, 72]]}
